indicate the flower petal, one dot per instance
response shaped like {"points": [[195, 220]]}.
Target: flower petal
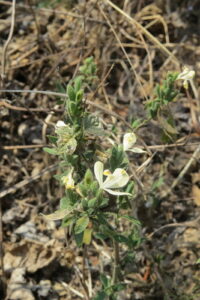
{"points": [[98, 172], [116, 193], [137, 150], [68, 181], [129, 140], [117, 180], [60, 124], [187, 74]]}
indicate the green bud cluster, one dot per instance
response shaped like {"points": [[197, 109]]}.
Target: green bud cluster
{"points": [[165, 93]]}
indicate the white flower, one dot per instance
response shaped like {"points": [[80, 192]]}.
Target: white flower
{"points": [[68, 181], [118, 179], [60, 124], [129, 140], [187, 75]]}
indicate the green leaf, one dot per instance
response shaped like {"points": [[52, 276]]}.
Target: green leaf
{"points": [[61, 88], [166, 125], [51, 151], [82, 69], [131, 219], [64, 203], [53, 139], [92, 125], [68, 220], [81, 224], [79, 96], [88, 179], [84, 203], [72, 108], [157, 183], [93, 69], [94, 187], [119, 287], [100, 236], [136, 123], [70, 200], [102, 201], [100, 296], [108, 232], [92, 202], [121, 238], [117, 159], [83, 189], [79, 239], [95, 131], [87, 236], [101, 217], [104, 280], [89, 60], [78, 83], [68, 147], [71, 93], [198, 261]]}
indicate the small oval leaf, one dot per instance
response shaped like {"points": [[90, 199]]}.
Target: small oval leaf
{"points": [[87, 236], [71, 93], [81, 224], [51, 150]]}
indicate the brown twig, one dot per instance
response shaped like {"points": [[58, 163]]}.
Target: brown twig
{"points": [[82, 282], [16, 147], [3, 60], [193, 223], [163, 147], [19, 108]]}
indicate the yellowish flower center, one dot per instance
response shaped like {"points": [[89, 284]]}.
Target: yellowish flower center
{"points": [[68, 182], [107, 173], [123, 172]]}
